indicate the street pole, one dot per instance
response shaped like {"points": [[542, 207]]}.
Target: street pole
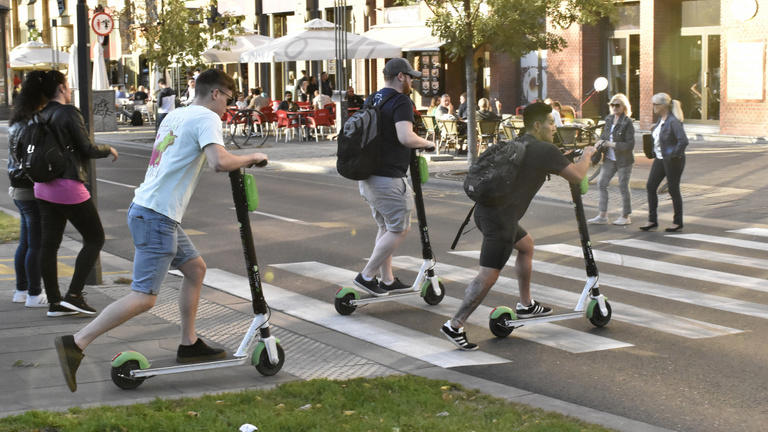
{"points": [[86, 101]]}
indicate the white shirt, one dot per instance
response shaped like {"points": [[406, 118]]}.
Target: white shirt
{"points": [[656, 134], [321, 100], [610, 154], [558, 119], [178, 159]]}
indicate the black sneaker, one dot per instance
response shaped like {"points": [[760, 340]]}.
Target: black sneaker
{"points": [[198, 352], [77, 302], [371, 286], [70, 356], [56, 310], [395, 286], [458, 337], [534, 310]]}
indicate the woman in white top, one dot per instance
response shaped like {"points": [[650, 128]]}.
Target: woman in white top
{"points": [[669, 143], [616, 145]]}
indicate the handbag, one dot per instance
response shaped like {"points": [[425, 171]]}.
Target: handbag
{"points": [[648, 146]]}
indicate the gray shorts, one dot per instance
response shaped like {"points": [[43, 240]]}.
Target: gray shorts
{"points": [[391, 201]]}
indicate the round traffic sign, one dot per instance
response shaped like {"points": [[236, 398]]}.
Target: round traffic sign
{"points": [[102, 23]]}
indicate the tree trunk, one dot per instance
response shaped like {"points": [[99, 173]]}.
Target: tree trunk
{"points": [[469, 70]]}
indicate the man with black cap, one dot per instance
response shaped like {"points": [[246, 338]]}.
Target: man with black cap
{"points": [[387, 190], [499, 224]]}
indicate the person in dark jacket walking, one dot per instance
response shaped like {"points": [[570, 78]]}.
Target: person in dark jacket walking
{"points": [[615, 148], [669, 143], [68, 199], [27, 259]]}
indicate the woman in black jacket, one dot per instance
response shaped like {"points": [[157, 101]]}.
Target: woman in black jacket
{"points": [[615, 147], [27, 103], [67, 198], [669, 143]]}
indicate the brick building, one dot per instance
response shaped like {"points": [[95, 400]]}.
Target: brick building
{"points": [[709, 54]]}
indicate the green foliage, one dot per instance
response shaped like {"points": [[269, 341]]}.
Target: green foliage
{"points": [[9, 228], [178, 35], [513, 26], [397, 403]]}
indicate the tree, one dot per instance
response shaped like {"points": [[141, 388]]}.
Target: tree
{"points": [[512, 26], [178, 35]]}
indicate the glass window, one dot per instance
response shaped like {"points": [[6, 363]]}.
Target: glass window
{"points": [[701, 13], [627, 16]]}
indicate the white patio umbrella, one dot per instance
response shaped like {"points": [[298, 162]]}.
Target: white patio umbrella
{"points": [[318, 42], [36, 55], [229, 52], [99, 79], [72, 68]]}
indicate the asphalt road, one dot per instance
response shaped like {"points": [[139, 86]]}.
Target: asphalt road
{"points": [[695, 363]]}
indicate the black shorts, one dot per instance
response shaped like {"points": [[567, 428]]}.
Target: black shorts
{"points": [[501, 231]]}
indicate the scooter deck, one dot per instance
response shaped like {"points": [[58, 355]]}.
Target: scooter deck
{"points": [[542, 319], [167, 366], [377, 299]]}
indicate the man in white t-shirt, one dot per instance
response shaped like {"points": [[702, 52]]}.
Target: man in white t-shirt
{"points": [[320, 100], [187, 139]]}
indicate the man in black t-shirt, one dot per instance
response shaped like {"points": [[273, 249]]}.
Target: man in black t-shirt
{"points": [[387, 190], [500, 228]]}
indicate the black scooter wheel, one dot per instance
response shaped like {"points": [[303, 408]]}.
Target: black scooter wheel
{"points": [[597, 319], [429, 294], [343, 305], [498, 326], [121, 373], [265, 367]]}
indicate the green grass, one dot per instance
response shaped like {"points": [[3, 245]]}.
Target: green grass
{"points": [[9, 228], [391, 404]]}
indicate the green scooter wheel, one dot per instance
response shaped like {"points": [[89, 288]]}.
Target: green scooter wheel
{"points": [[263, 365], [342, 302], [429, 294], [121, 375], [498, 325], [596, 316]]}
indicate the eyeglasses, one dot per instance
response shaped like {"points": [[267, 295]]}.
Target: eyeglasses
{"points": [[615, 105], [230, 97]]}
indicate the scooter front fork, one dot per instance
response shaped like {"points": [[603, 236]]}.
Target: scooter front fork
{"points": [[591, 291], [261, 325]]}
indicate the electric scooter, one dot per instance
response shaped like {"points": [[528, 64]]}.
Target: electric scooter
{"points": [[591, 303], [427, 284], [130, 368]]}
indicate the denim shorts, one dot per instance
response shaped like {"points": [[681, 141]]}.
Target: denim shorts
{"points": [[160, 244], [391, 201]]}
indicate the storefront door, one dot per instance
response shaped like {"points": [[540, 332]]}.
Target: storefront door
{"points": [[699, 75], [624, 67]]}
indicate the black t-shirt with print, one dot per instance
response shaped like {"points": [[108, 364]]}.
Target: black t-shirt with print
{"points": [[395, 157]]}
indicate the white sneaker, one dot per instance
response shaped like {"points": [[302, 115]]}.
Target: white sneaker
{"points": [[623, 221], [38, 301], [598, 220], [19, 296]]}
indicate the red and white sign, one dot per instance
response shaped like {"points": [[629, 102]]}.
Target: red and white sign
{"points": [[102, 24]]}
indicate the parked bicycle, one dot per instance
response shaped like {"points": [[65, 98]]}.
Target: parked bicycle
{"points": [[242, 126]]}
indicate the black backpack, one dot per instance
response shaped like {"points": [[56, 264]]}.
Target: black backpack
{"points": [[136, 118], [492, 178], [41, 155], [16, 175], [359, 144]]}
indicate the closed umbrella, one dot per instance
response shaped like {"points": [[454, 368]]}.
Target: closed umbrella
{"points": [[99, 80], [229, 52], [318, 42], [72, 68], [34, 55]]}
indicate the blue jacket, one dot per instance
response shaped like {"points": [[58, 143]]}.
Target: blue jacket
{"points": [[623, 136], [672, 138]]}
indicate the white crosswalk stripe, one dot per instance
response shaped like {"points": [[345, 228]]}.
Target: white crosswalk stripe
{"points": [[761, 232], [432, 349], [746, 244], [692, 253], [676, 325], [546, 334], [646, 264]]}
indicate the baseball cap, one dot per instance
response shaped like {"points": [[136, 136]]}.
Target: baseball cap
{"points": [[396, 65]]}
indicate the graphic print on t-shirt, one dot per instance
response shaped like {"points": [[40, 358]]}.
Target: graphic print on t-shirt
{"points": [[157, 152]]}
